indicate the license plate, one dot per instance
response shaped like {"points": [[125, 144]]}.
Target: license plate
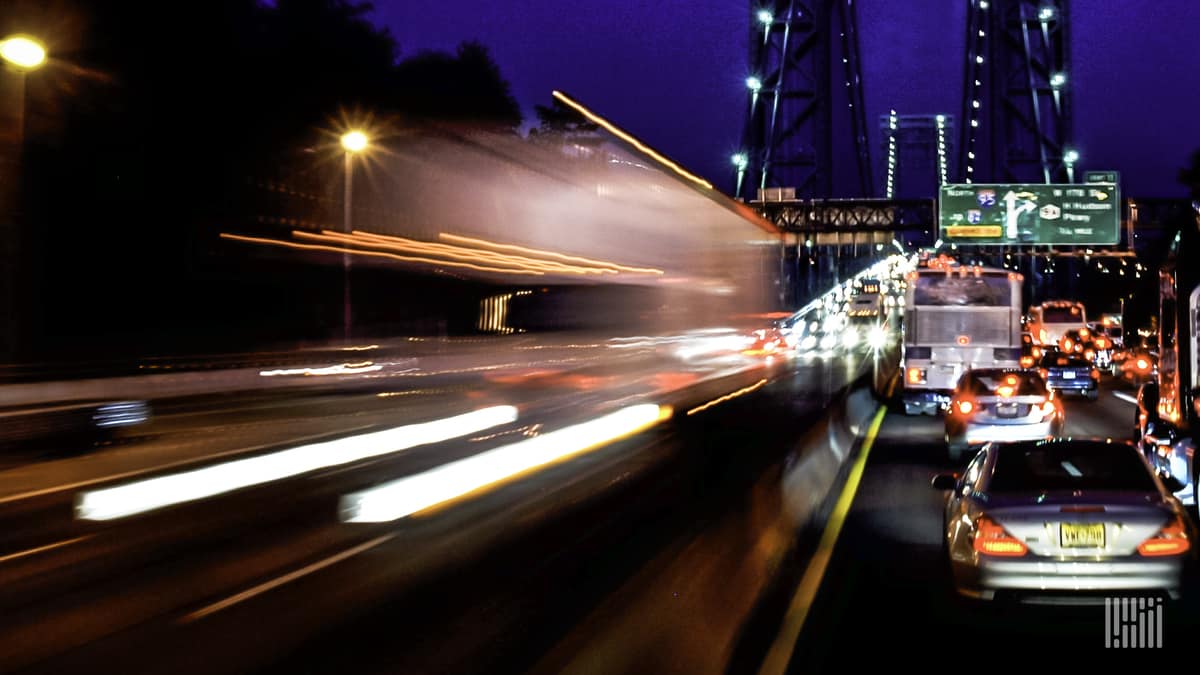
{"points": [[1082, 535], [1006, 410], [1068, 376]]}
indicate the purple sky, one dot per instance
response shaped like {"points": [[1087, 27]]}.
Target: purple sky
{"points": [[673, 71]]}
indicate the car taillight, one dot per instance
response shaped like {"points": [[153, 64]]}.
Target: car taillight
{"points": [[1044, 373], [1046, 408], [1172, 539], [1090, 355], [1101, 343], [1037, 352], [1143, 364], [1026, 361], [1043, 336], [1005, 391], [991, 539], [916, 375], [1095, 373], [964, 407], [1067, 344]]}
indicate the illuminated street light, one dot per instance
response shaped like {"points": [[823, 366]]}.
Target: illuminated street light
{"points": [[1057, 80], [354, 141], [754, 84], [23, 52], [740, 161], [765, 17], [1070, 156], [1046, 13]]}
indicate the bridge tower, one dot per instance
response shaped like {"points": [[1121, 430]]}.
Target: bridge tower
{"points": [[1016, 110], [788, 138]]}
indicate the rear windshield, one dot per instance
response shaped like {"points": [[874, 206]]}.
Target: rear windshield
{"points": [[1069, 466], [1061, 361], [982, 291], [988, 383], [1062, 315]]}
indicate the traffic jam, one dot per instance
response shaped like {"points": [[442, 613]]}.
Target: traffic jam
{"points": [[1032, 510]]}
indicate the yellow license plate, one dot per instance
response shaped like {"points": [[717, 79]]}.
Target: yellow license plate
{"points": [[1082, 535]]}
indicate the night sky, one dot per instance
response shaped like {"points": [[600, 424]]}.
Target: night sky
{"points": [[673, 71]]}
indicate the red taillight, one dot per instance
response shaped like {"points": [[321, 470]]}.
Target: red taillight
{"points": [[1044, 373], [1067, 344], [1089, 355], [964, 407], [1172, 539], [1095, 373], [991, 539], [1006, 391], [1026, 361], [916, 376], [1143, 364], [964, 340], [1101, 343]]}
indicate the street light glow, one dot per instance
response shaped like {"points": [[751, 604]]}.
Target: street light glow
{"points": [[354, 141], [740, 160], [753, 83], [1071, 156], [23, 52], [765, 17], [1057, 80]]}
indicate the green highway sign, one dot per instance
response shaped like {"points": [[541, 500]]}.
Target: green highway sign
{"points": [[1056, 214]]}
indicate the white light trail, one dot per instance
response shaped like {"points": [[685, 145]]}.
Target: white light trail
{"points": [[418, 492], [155, 493]]}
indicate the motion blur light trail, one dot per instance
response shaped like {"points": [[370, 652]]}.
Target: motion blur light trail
{"points": [[642, 147], [376, 254], [550, 254], [155, 493], [422, 491]]}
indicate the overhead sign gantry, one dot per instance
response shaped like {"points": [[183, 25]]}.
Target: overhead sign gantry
{"points": [[1066, 214]]}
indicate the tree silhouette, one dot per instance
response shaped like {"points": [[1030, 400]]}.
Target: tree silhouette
{"points": [[1189, 176]]}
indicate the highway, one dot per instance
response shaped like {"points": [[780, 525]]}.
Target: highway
{"points": [[272, 576], [886, 585]]}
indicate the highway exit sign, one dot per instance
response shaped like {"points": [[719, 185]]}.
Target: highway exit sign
{"points": [[1056, 214], [1102, 177]]}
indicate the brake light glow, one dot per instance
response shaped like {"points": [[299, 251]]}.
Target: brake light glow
{"points": [[1047, 409], [965, 407], [1089, 355], [1026, 361], [1043, 336], [1095, 373], [1172, 539], [964, 340], [1005, 391], [1067, 344], [916, 375], [991, 539], [1143, 364]]}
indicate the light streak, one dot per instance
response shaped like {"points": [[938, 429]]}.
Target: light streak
{"points": [[446, 483]]}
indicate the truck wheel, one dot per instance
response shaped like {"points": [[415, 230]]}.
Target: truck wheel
{"points": [[1093, 394]]}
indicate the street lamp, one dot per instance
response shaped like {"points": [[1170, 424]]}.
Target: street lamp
{"points": [[22, 52], [353, 142], [1069, 159]]}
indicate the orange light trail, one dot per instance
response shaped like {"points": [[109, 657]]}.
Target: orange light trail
{"points": [[460, 252], [375, 254], [549, 254], [616, 131]]}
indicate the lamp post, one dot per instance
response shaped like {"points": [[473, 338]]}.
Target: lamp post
{"points": [[353, 142], [19, 56]]}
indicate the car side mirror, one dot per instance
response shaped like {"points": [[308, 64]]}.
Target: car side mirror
{"points": [[1170, 482], [945, 481]]}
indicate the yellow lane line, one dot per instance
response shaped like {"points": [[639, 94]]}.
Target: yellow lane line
{"points": [[781, 650]]}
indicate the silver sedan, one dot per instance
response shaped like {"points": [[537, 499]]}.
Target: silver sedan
{"points": [[1056, 518]]}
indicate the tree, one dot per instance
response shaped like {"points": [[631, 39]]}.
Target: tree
{"points": [[1189, 176], [465, 87]]}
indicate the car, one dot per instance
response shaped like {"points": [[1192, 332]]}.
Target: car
{"points": [[1062, 519], [1069, 373], [1000, 404]]}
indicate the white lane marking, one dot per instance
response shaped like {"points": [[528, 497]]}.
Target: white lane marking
{"points": [[285, 579], [40, 549], [1125, 397], [171, 465]]}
